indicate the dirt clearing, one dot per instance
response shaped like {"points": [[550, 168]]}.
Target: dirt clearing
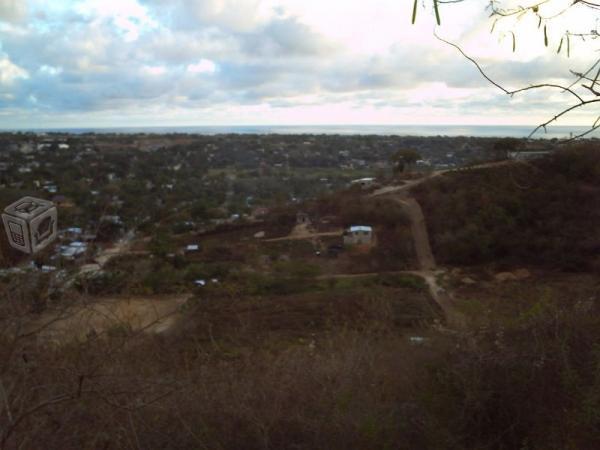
{"points": [[105, 316]]}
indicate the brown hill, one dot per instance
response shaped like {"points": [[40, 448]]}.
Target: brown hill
{"points": [[546, 212]]}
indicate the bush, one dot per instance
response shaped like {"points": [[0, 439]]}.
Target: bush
{"points": [[526, 383]]}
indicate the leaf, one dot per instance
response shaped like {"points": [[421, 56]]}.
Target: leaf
{"points": [[545, 36], [560, 45], [414, 14], [539, 21], [514, 39], [437, 13], [568, 46]]}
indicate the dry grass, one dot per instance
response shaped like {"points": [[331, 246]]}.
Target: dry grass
{"points": [[314, 371]]}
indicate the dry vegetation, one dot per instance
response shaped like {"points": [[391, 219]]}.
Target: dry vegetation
{"points": [[545, 213], [327, 368], [283, 357], [238, 372]]}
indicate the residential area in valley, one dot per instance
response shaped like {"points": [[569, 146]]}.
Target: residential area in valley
{"points": [[255, 246]]}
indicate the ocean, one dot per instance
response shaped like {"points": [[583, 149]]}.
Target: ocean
{"points": [[559, 132]]}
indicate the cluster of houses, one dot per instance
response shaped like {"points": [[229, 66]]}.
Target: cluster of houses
{"points": [[77, 245]]}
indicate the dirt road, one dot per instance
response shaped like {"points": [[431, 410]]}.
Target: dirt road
{"points": [[426, 260], [419, 232], [412, 183], [119, 248], [406, 186], [427, 265], [302, 231]]}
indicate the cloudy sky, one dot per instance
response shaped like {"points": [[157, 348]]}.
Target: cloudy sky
{"points": [[71, 63]]}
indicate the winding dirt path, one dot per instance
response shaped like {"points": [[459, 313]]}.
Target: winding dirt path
{"points": [[419, 231], [427, 265], [387, 190]]}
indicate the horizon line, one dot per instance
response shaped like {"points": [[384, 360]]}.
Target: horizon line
{"points": [[113, 127]]}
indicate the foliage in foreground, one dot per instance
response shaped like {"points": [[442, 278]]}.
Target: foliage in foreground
{"points": [[354, 381]]}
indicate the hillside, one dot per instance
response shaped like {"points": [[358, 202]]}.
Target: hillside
{"points": [[275, 334], [545, 212]]}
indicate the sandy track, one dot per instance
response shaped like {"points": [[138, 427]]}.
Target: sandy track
{"points": [[427, 265], [302, 231]]}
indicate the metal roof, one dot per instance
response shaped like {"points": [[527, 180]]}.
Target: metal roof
{"points": [[355, 228]]}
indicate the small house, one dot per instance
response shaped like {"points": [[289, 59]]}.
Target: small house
{"points": [[192, 248], [73, 250], [358, 234]]}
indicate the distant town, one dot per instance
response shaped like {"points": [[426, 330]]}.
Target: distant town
{"points": [[108, 185]]}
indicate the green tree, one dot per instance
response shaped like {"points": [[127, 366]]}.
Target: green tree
{"points": [[161, 244], [502, 147]]}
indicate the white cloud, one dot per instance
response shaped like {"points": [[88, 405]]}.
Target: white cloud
{"points": [[237, 16], [202, 66], [12, 10], [127, 16], [10, 72], [154, 70], [50, 70], [276, 60]]}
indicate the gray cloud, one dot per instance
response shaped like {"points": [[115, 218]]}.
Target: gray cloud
{"points": [[77, 63], [233, 15], [285, 37], [12, 10]]}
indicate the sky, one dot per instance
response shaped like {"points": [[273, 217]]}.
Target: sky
{"points": [[104, 63]]}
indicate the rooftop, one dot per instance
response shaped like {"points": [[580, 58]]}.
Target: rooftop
{"points": [[355, 228]]}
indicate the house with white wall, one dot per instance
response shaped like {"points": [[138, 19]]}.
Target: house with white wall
{"points": [[358, 235]]}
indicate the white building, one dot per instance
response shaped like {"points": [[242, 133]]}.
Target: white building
{"points": [[358, 234], [73, 250], [73, 231]]}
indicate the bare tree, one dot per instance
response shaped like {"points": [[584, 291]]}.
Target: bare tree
{"points": [[583, 90]]}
